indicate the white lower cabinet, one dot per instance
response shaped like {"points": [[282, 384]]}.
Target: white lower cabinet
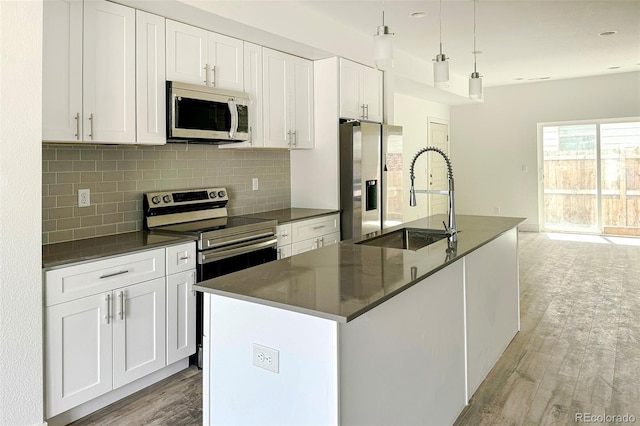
{"points": [[181, 319], [305, 235], [101, 342], [113, 321]]}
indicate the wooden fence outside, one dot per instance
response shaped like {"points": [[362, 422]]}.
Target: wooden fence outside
{"points": [[570, 195]]}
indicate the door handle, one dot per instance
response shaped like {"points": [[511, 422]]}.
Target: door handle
{"points": [[121, 305], [77, 125], [108, 316]]}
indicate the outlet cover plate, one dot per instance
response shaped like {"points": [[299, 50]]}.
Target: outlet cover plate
{"points": [[266, 358], [84, 198]]}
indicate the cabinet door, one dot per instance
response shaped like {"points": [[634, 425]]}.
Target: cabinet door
{"points": [[329, 239], [372, 93], [226, 55], [305, 245], [284, 251], [302, 102], [139, 336], [151, 128], [187, 49], [350, 104], [276, 99], [109, 71], [253, 86], [62, 70], [181, 316], [78, 352]]}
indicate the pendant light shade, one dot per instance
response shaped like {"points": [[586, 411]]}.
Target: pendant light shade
{"points": [[441, 71], [475, 86], [383, 47], [440, 63], [475, 80]]}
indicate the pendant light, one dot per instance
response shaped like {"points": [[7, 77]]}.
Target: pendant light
{"points": [[475, 80], [383, 46], [440, 64]]}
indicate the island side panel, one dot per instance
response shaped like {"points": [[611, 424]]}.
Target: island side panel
{"points": [[304, 391], [492, 304], [403, 361]]}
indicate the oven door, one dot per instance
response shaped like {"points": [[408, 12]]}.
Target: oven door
{"points": [[217, 262]]}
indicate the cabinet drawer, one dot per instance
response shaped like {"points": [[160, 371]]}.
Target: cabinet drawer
{"points": [[284, 234], [181, 258], [313, 228], [73, 282]]}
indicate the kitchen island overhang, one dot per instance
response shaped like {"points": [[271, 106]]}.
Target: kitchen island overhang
{"points": [[363, 334]]}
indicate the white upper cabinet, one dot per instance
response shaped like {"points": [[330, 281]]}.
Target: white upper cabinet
{"points": [[109, 70], [88, 72], [360, 91], [198, 56], [151, 114], [287, 100], [253, 87], [62, 71]]}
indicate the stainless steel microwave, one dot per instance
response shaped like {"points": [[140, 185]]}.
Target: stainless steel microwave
{"points": [[206, 114]]}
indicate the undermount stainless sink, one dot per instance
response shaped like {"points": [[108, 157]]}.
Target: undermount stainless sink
{"points": [[406, 238]]}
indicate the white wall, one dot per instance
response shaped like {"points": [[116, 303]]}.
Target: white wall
{"points": [[21, 371], [412, 114], [491, 143]]}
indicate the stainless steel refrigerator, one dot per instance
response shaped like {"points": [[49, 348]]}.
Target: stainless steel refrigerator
{"points": [[370, 178]]}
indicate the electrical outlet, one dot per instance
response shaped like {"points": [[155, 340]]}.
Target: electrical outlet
{"points": [[266, 358], [255, 184], [84, 198]]}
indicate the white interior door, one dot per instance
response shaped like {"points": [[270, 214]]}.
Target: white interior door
{"points": [[437, 168]]}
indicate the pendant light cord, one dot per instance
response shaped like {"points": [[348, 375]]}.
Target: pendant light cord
{"points": [[474, 37], [441, 26]]}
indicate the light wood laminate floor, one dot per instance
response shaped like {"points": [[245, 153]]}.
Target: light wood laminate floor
{"points": [[578, 350]]}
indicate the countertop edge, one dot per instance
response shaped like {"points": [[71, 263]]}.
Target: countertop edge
{"points": [[515, 222]]}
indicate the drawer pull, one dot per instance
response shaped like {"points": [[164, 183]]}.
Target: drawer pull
{"points": [[184, 258], [318, 227], [114, 274], [121, 305]]}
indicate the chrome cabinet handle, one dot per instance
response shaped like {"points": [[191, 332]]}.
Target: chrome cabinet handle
{"points": [[213, 76], [114, 274], [321, 242], [318, 227], [206, 74], [367, 106], [279, 253], [121, 313], [184, 258], [91, 127], [108, 316], [77, 125], [289, 138], [362, 107], [295, 138]]}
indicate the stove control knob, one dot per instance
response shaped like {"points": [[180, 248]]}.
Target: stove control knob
{"points": [[155, 200], [221, 194], [213, 194], [166, 198]]}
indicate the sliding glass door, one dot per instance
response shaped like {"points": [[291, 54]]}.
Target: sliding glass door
{"points": [[591, 177]]}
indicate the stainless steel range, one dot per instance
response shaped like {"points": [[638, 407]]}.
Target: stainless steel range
{"points": [[224, 244]]}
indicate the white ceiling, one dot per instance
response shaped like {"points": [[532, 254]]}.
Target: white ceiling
{"points": [[519, 39]]}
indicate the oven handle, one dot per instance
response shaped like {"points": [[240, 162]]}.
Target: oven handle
{"points": [[211, 245], [206, 257]]}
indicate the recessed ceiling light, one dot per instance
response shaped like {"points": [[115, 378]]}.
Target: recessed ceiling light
{"points": [[608, 33], [418, 14]]}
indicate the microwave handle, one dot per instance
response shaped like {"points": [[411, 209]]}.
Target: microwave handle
{"points": [[233, 109]]}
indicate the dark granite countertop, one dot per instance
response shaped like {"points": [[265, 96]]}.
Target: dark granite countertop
{"points": [[342, 281], [292, 214], [89, 249]]}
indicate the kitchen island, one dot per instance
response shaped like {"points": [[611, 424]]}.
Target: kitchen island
{"points": [[357, 334]]}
